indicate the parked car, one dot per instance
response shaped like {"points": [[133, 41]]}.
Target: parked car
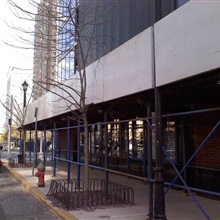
{"points": [[11, 148]]}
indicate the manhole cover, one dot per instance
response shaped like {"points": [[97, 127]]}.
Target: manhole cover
{"points": [[104, 217]]}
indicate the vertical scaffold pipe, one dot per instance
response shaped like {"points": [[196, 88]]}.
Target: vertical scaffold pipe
{"points": [[45, 144], [68, 150], [159, 204], [149, 159], [106, 154], [78, 154], [54, 149]]}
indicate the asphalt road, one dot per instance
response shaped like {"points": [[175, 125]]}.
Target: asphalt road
{"points": [[14, 154], [18, 204]]}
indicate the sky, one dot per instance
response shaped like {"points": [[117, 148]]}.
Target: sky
{"points": [[10, 56]]}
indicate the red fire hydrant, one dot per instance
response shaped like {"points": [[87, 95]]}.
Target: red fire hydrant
{"points": [[40, 174], [1, 164]]}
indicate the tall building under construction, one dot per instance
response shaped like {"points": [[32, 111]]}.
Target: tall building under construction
{"points": [[45, 48]]}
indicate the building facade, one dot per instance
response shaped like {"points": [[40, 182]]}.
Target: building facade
{"points": [[140, 67], [15, 78], [67, 40], [45, 48]]}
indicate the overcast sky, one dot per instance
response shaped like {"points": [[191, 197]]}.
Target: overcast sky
{"points": [[9, 56]]}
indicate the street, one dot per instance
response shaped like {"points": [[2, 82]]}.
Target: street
{"points": [[17, 204], [4, 153]]}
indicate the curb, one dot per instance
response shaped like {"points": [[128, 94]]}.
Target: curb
{"points": [[64, 215]]}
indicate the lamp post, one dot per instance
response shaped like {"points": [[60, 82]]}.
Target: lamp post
{"points": [[25, 87]]}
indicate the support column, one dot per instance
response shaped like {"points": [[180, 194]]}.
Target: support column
{"points": [[41, 146], [159, 203], [35, 142], [54, 149], [149, 159], [78, 155], [68, 150], [45, 145], [106, 153]]}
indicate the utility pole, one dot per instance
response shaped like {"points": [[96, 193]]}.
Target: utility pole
{"points": [[9, 127]]}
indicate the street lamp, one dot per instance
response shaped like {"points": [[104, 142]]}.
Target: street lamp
{"points": [[25, 87]]}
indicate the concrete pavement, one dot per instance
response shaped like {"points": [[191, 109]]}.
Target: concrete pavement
{"points": [[178, 206]]}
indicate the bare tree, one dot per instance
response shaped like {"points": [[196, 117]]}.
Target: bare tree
{"points": [[66, 30], [16, 113]]}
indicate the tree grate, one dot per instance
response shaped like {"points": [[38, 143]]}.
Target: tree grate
{"points": [[72, 196]]}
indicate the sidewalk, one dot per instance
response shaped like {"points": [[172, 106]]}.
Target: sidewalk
{"points": [[178, 206]]}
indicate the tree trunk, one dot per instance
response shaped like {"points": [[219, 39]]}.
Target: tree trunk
{"points": [[23, 147], [86, 152]]}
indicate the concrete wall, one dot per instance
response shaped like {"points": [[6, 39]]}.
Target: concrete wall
{"points": [[126, 70], [187, 41], [186, 44]]}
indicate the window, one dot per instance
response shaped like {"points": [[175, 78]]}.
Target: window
{"points": [[170, 139]]}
